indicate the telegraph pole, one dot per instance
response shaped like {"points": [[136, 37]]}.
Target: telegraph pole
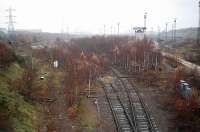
{"points": [[11, 29]]}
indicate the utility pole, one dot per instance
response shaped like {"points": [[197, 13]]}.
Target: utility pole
{"points": [[172, 31], [89, 83], [111, 31], [118, 28], [11, 29], [104, 30], [166, 31], [68, 34], [175, 29], [145, 22], [158, 33], [118, 32], [111, 36], [131, 32], [62, 30]]}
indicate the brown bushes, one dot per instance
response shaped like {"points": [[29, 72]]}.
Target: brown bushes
{"points": [[7, 56]]}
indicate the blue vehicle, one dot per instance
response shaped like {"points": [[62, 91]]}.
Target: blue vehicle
{"points": [[185, 89]]}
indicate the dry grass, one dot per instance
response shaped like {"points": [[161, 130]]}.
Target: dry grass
{"points": [[107, 79]]}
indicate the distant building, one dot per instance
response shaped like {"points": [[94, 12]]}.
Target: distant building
{"points": [[29, 30]]}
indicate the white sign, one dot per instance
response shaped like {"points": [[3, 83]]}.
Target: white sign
{"points": [[55, 64]]}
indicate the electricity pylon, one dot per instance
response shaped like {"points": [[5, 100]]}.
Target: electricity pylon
{"points": [[11, 29]]}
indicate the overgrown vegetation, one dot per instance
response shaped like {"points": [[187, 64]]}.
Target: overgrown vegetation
{"points": [[189, 50], [16, 112], [7, 56], [187, 113], [137, 56]]}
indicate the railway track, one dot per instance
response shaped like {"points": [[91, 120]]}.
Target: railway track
{"points": [[129, 111], [121, 117], [140, 113]]}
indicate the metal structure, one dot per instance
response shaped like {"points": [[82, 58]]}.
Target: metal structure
{"points": [[172, 31], [118, 39], [118, 28], [111, 30], [119, 111], [158, 33], [166, 24], [145, 20], [132, 114], [174, 38], [104, 30], [11, 29], [141, 29], [10, 20]]}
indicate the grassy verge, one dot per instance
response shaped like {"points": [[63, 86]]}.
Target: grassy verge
{"points": [[87, 115], [19, 115]]}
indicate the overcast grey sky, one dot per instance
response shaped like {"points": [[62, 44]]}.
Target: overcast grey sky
{"points": [[91, 15]]}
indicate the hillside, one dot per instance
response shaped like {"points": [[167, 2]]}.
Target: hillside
{"points": [[184, 33], [17, 113]]}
